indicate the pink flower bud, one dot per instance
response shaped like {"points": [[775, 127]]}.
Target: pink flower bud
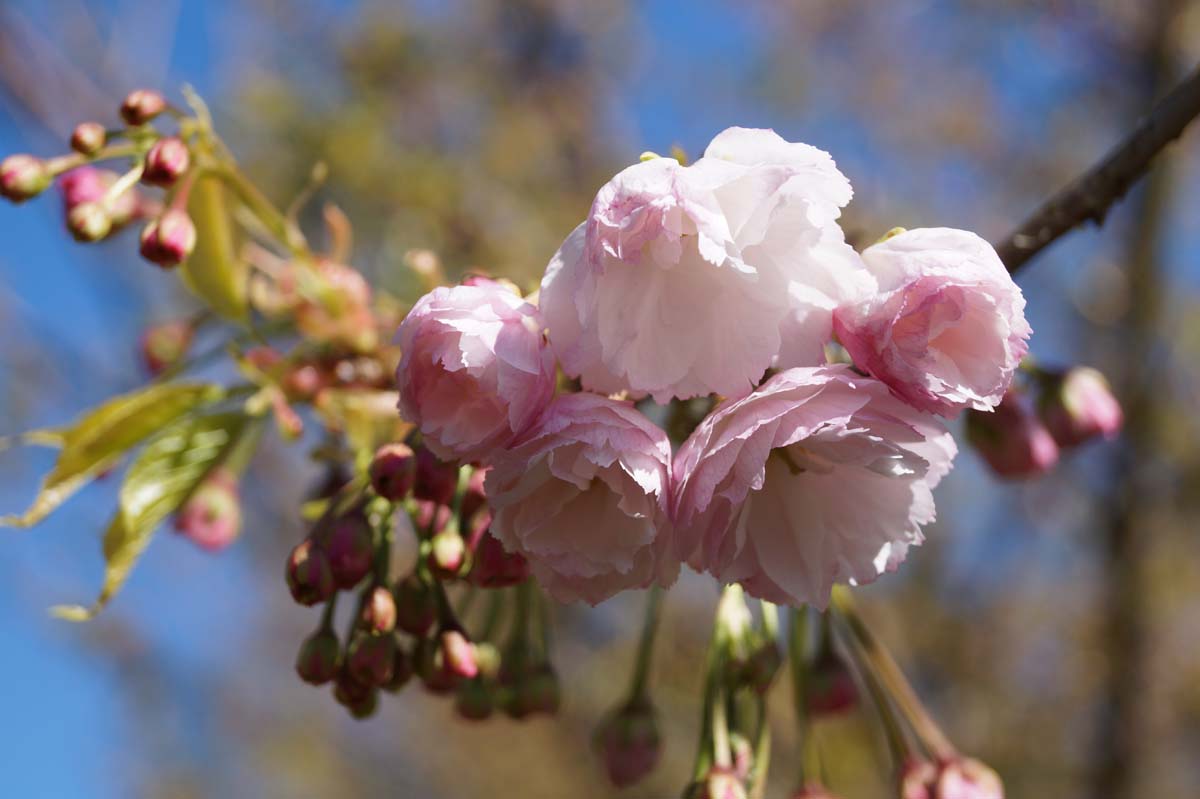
{"points": [[402, 670], [212, 516], [1078, 405], [90, 185], [309, 576], [89, 222], [416, 607], [304, 382], [473, 700], [141, 106], [166, 162], [436, 480], [393, 471], [164, 345], [456, 655], [967, 778], [370, 658], [721, 783], [351, 549], [831, 689], [23, 177], [431, 518], [447, 554], [168, 240], [379, 611], [318, 660], [88, 138], [1012, 439], [628, 743]]}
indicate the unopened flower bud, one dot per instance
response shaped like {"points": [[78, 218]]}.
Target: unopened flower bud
{"points": [[318, 660], [360, 699], [379, 611], [1078, 405], [1012, 440], [447, 554], [416, 606], [918, 780], [309, 576], [142, 105], [494, 567], [90, 185], [628, 743], [351, 549], [402, 670], [166, 162], [393, 470], [436, 480], [473, 700], [168, 240], [430, 517], [831, 689], [88, 138], [89, 222], [370, 658], [303, 382], [212, 516], [721, 783], [456, 655], [967, 778], [164, 345], [23, 177]]}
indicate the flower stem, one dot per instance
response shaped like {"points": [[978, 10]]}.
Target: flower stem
{"points": [[645, 653]]}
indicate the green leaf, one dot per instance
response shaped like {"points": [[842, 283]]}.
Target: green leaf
{"points": [[158, 482], [214, 272], [97, 440]]}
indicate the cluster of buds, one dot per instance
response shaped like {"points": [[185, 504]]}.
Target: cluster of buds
{"points": [[398, 543], [1055, 410], [99, 202]]}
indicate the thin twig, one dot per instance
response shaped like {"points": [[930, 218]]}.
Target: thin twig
{"points": [[1090, 196]]}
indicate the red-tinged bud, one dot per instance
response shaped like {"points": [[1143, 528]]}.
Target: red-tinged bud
{"points": [[88, 222], [360, 699], [379, 612], [742, 753], [164, 345], [142, 105], [88, 138], [23, 177], [431, 518], [436, 480], [918, 780], [318, 660], [473, 700], [393, 470], [721, 783], [831, 689], [303, 382], [168, 240], [309, 576], [351, 549], [263, 358], [456, 655], [1012, 439], [166, 162], [494, 567], [967, 778], [402, 670], [447, 554], [1078, 405], [628, 743], [370, 658], [90, 185], [212, 517], [416, 607], [436, 679]]}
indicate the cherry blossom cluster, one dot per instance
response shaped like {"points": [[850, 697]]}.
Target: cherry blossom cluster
{"points": [[729, 279]]}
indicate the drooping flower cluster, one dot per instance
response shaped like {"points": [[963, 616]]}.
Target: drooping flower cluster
{"points": [[728, 277]]}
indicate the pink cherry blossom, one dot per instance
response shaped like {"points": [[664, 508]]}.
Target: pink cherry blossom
{"points": [[946, 328], [475, 369], [819, 477], [583, 497], [683, 280]]}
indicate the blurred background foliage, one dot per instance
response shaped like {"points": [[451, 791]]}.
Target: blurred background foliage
{"points": [[1054, 626]]}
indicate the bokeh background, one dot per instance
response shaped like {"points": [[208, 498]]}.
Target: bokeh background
{"points": [[1054, 625]]}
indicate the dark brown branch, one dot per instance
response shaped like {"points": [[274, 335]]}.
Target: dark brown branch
{"points": [[1090, 196]]}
